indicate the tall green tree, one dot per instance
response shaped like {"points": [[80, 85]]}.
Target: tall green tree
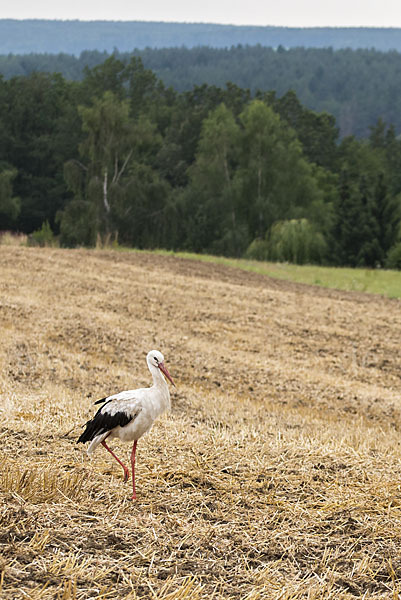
{"points": [[41, 130], [145, 210], [107, 181], [109, 76], [183, 133], [275, 180], [95, 179], [9, 204], [212, 220], [317, 132], [367, 211]]}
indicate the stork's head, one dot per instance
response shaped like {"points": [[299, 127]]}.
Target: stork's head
{"points": [[156, 359]]}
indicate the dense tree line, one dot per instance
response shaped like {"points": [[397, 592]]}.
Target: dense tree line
{"points": [[73, 37], [120, 156], [357, 87]]}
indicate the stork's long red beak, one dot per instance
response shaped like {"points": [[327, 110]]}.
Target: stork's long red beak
{"points": [[164, 370]]}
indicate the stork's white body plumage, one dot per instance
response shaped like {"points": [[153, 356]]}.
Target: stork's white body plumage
{"points": [[143, 406], [129, 415]]}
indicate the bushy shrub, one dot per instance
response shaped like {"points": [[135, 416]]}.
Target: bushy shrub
{"points": [[393, 260], [43, 237], [77, 224], [233, 242], [296, 241], [258, 250]]}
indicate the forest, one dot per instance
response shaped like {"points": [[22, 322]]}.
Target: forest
{"points": [[356, 86], [23, 36], [119, 157]]}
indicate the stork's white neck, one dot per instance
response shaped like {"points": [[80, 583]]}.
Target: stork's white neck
{"points": [[158, 378], [161, 388]]}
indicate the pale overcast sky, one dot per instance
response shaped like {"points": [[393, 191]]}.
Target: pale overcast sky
{"points": [[383, 13]]}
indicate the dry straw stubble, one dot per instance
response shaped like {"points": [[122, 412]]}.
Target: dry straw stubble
{"points": [[277, 473]]}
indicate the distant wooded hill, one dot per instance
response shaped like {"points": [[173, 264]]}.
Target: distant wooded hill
{"points": [[358, 87], [72, 37]]}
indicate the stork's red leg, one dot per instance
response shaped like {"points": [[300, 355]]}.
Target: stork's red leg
{"points": [[126, 471], [133, 469]]}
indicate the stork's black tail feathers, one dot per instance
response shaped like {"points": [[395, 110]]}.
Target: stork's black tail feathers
{"points": [[90, 432]]}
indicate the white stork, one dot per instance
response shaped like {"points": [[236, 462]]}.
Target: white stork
{"points": [[130, 414]]}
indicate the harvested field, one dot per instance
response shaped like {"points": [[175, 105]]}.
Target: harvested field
{"points": [[277, 474]]}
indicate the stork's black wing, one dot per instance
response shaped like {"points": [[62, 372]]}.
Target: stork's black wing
{"points": [[103, 422]]}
